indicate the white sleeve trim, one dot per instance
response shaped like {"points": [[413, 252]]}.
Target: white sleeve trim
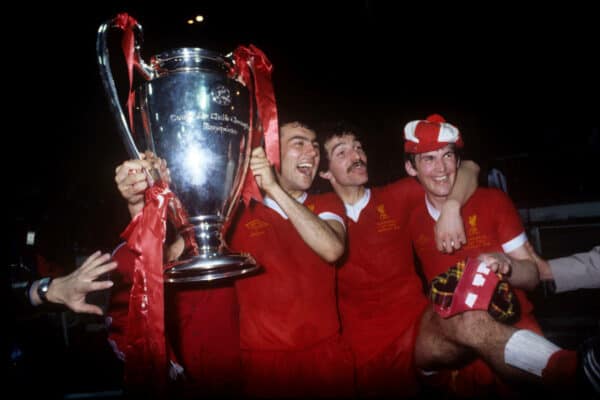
{"points": [[515, 243], [329, 215]]}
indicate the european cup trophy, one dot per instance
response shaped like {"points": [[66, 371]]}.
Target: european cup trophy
{"points": [[191, 111]]}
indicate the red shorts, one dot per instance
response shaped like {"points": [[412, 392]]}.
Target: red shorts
{"points": [[323, 370]]}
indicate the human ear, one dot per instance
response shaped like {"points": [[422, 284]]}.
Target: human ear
{"points": [[326, 175], [410, 170]]}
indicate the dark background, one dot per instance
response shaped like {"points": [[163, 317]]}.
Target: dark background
{"points": [[522, 85]]}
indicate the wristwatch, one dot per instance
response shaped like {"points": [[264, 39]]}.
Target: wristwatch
{"points": [[42, 289]]}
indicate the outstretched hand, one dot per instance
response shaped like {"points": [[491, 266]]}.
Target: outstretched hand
{"points": [[72, 289]]}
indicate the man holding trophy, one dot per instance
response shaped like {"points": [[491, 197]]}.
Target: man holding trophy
{"points": [[196, 109], [290, 342], [290, 332]]}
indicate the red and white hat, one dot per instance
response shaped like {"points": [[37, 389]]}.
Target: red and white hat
{"points": [[430, 134]]}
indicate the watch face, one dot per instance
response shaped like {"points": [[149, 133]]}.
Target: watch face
{"points": [[43, 287]]}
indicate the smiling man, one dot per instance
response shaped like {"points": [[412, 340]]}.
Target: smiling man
{"points": [[386, 318], [289, 329], [289, 326], [492, 226]]}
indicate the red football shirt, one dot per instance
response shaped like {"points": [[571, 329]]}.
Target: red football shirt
{"points": [[381, 298], [289, 322], [202, 328], [492, 224]]}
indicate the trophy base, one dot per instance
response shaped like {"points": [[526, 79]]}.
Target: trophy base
{"points": [[208, 269]]}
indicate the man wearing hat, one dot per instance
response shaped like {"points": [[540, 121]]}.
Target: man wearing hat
{"points": [[385, 315], [492, 225]]}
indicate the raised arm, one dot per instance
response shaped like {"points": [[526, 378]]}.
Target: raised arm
{"points": [[326, 238]]}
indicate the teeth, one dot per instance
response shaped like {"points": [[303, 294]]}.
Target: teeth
{"points": [[441, 178], [305, 165]]}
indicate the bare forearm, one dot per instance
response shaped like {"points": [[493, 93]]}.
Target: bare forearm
{"points": [[315, 232], [524, 274], [466, 182]]}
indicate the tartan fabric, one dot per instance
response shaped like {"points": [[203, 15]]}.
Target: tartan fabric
{"points": [[504, 305]]}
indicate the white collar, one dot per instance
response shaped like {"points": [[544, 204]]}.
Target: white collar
{"points": [[353, 210], [272, 204], [435, 214]]}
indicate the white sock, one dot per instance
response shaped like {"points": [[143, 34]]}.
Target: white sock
{"points": [[528, 351]]}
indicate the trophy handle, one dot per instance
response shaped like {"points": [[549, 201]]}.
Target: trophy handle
{"points": [[107, 76]]}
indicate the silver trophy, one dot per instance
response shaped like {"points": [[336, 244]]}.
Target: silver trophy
{"points": [[191, 112]]}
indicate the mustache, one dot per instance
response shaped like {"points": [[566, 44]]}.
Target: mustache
{"points": [[359, 163]]}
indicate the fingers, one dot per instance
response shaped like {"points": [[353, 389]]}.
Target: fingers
{"points": [[163, 171], [97, 264], [497, 262], [259, 152], [260, 166], [131, 166], [449, 239], [450, 244], [259, 159], [88, 308], [95, 259], [100, 285], [103, 269], [132, 180]]}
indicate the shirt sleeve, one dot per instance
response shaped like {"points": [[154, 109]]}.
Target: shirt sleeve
{"points": [[578, 271], [407, 191], [509, 224], [330, 207]]}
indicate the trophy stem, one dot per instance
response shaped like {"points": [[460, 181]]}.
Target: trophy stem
{"points": [[214, 260]]}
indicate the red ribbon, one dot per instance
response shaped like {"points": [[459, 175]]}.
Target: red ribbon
{"points": [[146, 350], [254, 69], [126, 23]]}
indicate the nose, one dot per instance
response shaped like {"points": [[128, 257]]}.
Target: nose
{"points": [[354, 155], [440, 165], [312, 151]]}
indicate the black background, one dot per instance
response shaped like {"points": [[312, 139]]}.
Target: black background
{"points": [[521, 84]]}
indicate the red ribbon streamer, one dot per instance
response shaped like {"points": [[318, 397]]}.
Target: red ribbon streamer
{"points": [[146, 351], [126, 23], [252, 60]]}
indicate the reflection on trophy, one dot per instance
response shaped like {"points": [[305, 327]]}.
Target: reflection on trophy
{"points": [[191, 112]]}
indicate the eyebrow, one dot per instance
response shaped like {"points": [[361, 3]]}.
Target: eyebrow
{"points": [[298, 137], [337, 145]]}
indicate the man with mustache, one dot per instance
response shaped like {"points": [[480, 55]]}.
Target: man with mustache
{"points": [[385, 315], [380, 296]]}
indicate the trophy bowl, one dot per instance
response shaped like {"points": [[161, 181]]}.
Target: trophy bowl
{"points": [[191, 111]]}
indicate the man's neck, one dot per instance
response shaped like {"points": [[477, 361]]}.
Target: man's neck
{"points": [[436, 202], [293, 193], [350, 194]]}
